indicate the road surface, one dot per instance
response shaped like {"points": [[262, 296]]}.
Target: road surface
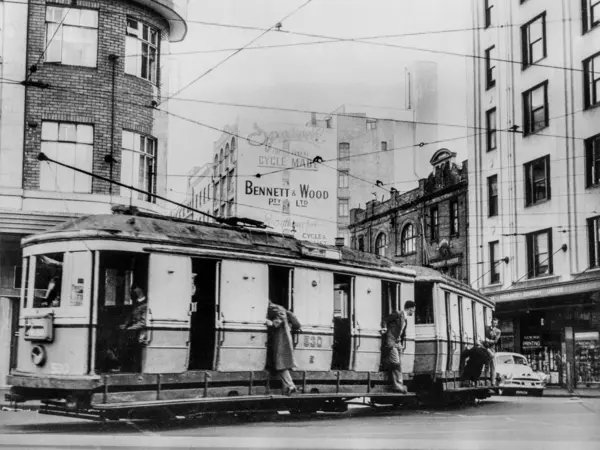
{"points": [[510, 423]]}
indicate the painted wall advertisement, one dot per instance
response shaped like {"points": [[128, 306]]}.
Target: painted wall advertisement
{"points": [[295, 193]]}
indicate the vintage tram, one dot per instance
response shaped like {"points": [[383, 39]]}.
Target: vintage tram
{"points": [[207, 289]]}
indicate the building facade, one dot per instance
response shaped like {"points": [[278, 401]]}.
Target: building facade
{"points": [[534, 179], [199, 195], [425, 226], [85, 76]]}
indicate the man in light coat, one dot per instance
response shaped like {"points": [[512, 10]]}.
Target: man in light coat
{"points": [[394, 332], [280, 322], [492, 338]]}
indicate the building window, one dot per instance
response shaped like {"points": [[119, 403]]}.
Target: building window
{"points": [[384, 146], [221, 158], [493, 195], [434, 223], [533, 40], [537, 181], [230, 183], [141, 49], [594, 240], [591, 77], [535, 106], [216, 166], [371, 124], [343, 179], [72, 144], [490, 67], [381, 244], [494, 272], [361, 243], [343, 207], [592, 161], [454, 217], [539, 253], [591, 14], [408, 240], [71, 36], [344, 151], [490, 126], [488, 12], [138, 164], [232, 155]]}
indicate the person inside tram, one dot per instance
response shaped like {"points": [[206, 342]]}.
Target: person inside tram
{"points": [[472, 361], [53, 291], [394, 342], [135, 331], [281, 358], [492, 338]]}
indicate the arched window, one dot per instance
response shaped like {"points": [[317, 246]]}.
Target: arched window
{"points": [[381, 244], [226, 161], [221, 161], [361, 243], [407, 240], [233, 149], [216, 166]]}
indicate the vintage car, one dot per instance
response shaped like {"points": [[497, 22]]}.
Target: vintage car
{"points": [[515, 376]]}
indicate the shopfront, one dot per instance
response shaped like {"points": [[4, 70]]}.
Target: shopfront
{"points": [[559, 334]]}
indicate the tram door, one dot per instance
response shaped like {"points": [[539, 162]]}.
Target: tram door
{"points": [[454, 331], [203, 312], [390, 294], [343, 318]]}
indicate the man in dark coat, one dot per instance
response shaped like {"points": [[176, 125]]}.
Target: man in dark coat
{"points": [[394, 332], [280, 322], [492, 337], [472, 361], [135, 330]]}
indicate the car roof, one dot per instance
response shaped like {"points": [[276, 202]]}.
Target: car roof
{"points": [[509, 353]]}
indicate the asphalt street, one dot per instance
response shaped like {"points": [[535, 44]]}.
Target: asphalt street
{"points": [[510, 423]]}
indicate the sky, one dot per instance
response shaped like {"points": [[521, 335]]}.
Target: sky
{"points": [[318, 77]]}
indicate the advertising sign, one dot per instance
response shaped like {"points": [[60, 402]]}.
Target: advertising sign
{"points": [[295, 193], [531, 342]]}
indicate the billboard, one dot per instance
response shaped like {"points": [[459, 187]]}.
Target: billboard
{"points": [[294, 194]]}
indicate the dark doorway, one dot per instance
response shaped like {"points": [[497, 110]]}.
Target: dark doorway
{"points": [[205, 275], [390, 302], [280, 288], [116, 349], [342, 322]]}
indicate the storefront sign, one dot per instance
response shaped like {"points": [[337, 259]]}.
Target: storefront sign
{"points": [[548, 291], [531, 342], [446, 262]]}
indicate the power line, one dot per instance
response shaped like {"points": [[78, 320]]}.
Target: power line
{"points": [[237, 51]]}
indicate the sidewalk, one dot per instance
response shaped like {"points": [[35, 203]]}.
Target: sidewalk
{"points": [[552, 391]]}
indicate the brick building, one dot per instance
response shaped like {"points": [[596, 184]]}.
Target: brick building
{"points": [[425, 226], [87, 74]]}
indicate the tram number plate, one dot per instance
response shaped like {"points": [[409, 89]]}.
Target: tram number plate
{"points": [[313, 341]]}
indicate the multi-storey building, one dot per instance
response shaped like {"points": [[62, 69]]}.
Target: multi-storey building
{"points": [[534, 179], [199, 195], [424, 226], [80, 82]]}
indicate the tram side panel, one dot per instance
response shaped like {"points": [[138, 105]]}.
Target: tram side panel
{"points": [[407, 293], [313, 305], [241, 333], [367, 337], [54, 336], [168, 318], [430, 321]]}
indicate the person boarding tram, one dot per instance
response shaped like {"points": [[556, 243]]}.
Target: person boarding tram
{"points": [[394, 335], [135, 330]]}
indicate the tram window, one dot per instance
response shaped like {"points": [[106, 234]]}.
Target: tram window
{"points": [[424, 303], [279, 286], [389, 298], [48, 280]]}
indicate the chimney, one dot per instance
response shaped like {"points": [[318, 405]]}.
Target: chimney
{"points": [[339, 241]]}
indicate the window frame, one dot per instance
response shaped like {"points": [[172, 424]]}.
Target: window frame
{"points": [[60, 29], [138, 57], [490, 80], [533, 264], [527, 45], [381, 244], [491, 131], [454, 217], [493, 246], [488, 7], [408, 243], [343, 179], [591, 87], [528, 119], [150, 183], [434, 224], [493, 210], [343, 207], [593, 224], [343, 148], [384, 146], [589, 21], [592, 161], [530, 181]]}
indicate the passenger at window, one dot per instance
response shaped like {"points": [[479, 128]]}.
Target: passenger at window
{"points": [[280, 322], [394, 337], [135, 331], [492, 337]]}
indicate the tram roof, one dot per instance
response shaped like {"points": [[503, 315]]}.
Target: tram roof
{"points": [[186, 233], [430, 274]]}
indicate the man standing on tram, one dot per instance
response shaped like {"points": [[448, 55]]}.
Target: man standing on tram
{"points": [[492, 337], [135, 328], [394, 334]]}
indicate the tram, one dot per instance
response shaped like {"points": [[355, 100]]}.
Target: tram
{"points": [[206, 343]]}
